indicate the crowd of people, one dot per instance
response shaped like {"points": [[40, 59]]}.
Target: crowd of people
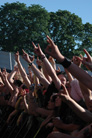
{"points": [[60, 100]]}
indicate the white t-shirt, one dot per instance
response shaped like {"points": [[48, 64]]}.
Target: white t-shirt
{"points": [[76, 93]]}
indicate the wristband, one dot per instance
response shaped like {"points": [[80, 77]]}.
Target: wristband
{"points": [[66, 63]]}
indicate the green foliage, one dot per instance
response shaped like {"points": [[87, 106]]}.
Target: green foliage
{"points": [[87, 39], [66, 31], [20, 25]]}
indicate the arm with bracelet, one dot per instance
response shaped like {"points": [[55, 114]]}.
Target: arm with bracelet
{"points": [[48, 66], [76, 71], [36, 71]]}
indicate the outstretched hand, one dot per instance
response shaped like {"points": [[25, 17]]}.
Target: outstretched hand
{"points": [[87, 61], [37, 50], [88, 58], [64, 94], [53, 50], [77, 60], [26, 56]]}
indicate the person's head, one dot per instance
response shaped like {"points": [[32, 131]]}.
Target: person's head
{"points": [[58, 101], [51, 102], [61, 76], [17, 83], [22, 89], [55, 101]]}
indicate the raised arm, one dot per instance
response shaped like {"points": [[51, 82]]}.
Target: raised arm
{"points": [[43, 69], [12, 74], [80, 111], [8, 85], [36, 71], [22, 71], [52, 61], [87, 61], [76, 71], [48, 66], [14, 96], [70, 77], [87, 94], [1, 75]]}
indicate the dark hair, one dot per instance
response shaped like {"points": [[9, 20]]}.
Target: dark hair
{"points": [[24, 86], [17, 83], [53, 98], [61, 72]]}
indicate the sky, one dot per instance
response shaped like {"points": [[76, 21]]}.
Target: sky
{"points": [[82, 8]]}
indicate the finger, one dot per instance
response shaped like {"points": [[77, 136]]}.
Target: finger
{"points": [[17, 53], [34, 45], [81, 56], [64, 88], [86, 52], [62, 95], [78, 58], [49, 40], [37, 58], [39, 47], [58, 68], [48, 47], [85, 59], [23, 51]]}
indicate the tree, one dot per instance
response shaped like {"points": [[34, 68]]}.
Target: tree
{"points": [[87, 39], [20, 25], [66, 29]]}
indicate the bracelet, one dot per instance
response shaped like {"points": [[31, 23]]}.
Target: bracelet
{"points": [[30, 64], [66, 63]]}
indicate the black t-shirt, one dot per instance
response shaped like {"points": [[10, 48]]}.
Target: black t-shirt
{"points": [[7, 96]]}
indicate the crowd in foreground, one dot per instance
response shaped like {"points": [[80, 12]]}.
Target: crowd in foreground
{"points": [[62, 100]]}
